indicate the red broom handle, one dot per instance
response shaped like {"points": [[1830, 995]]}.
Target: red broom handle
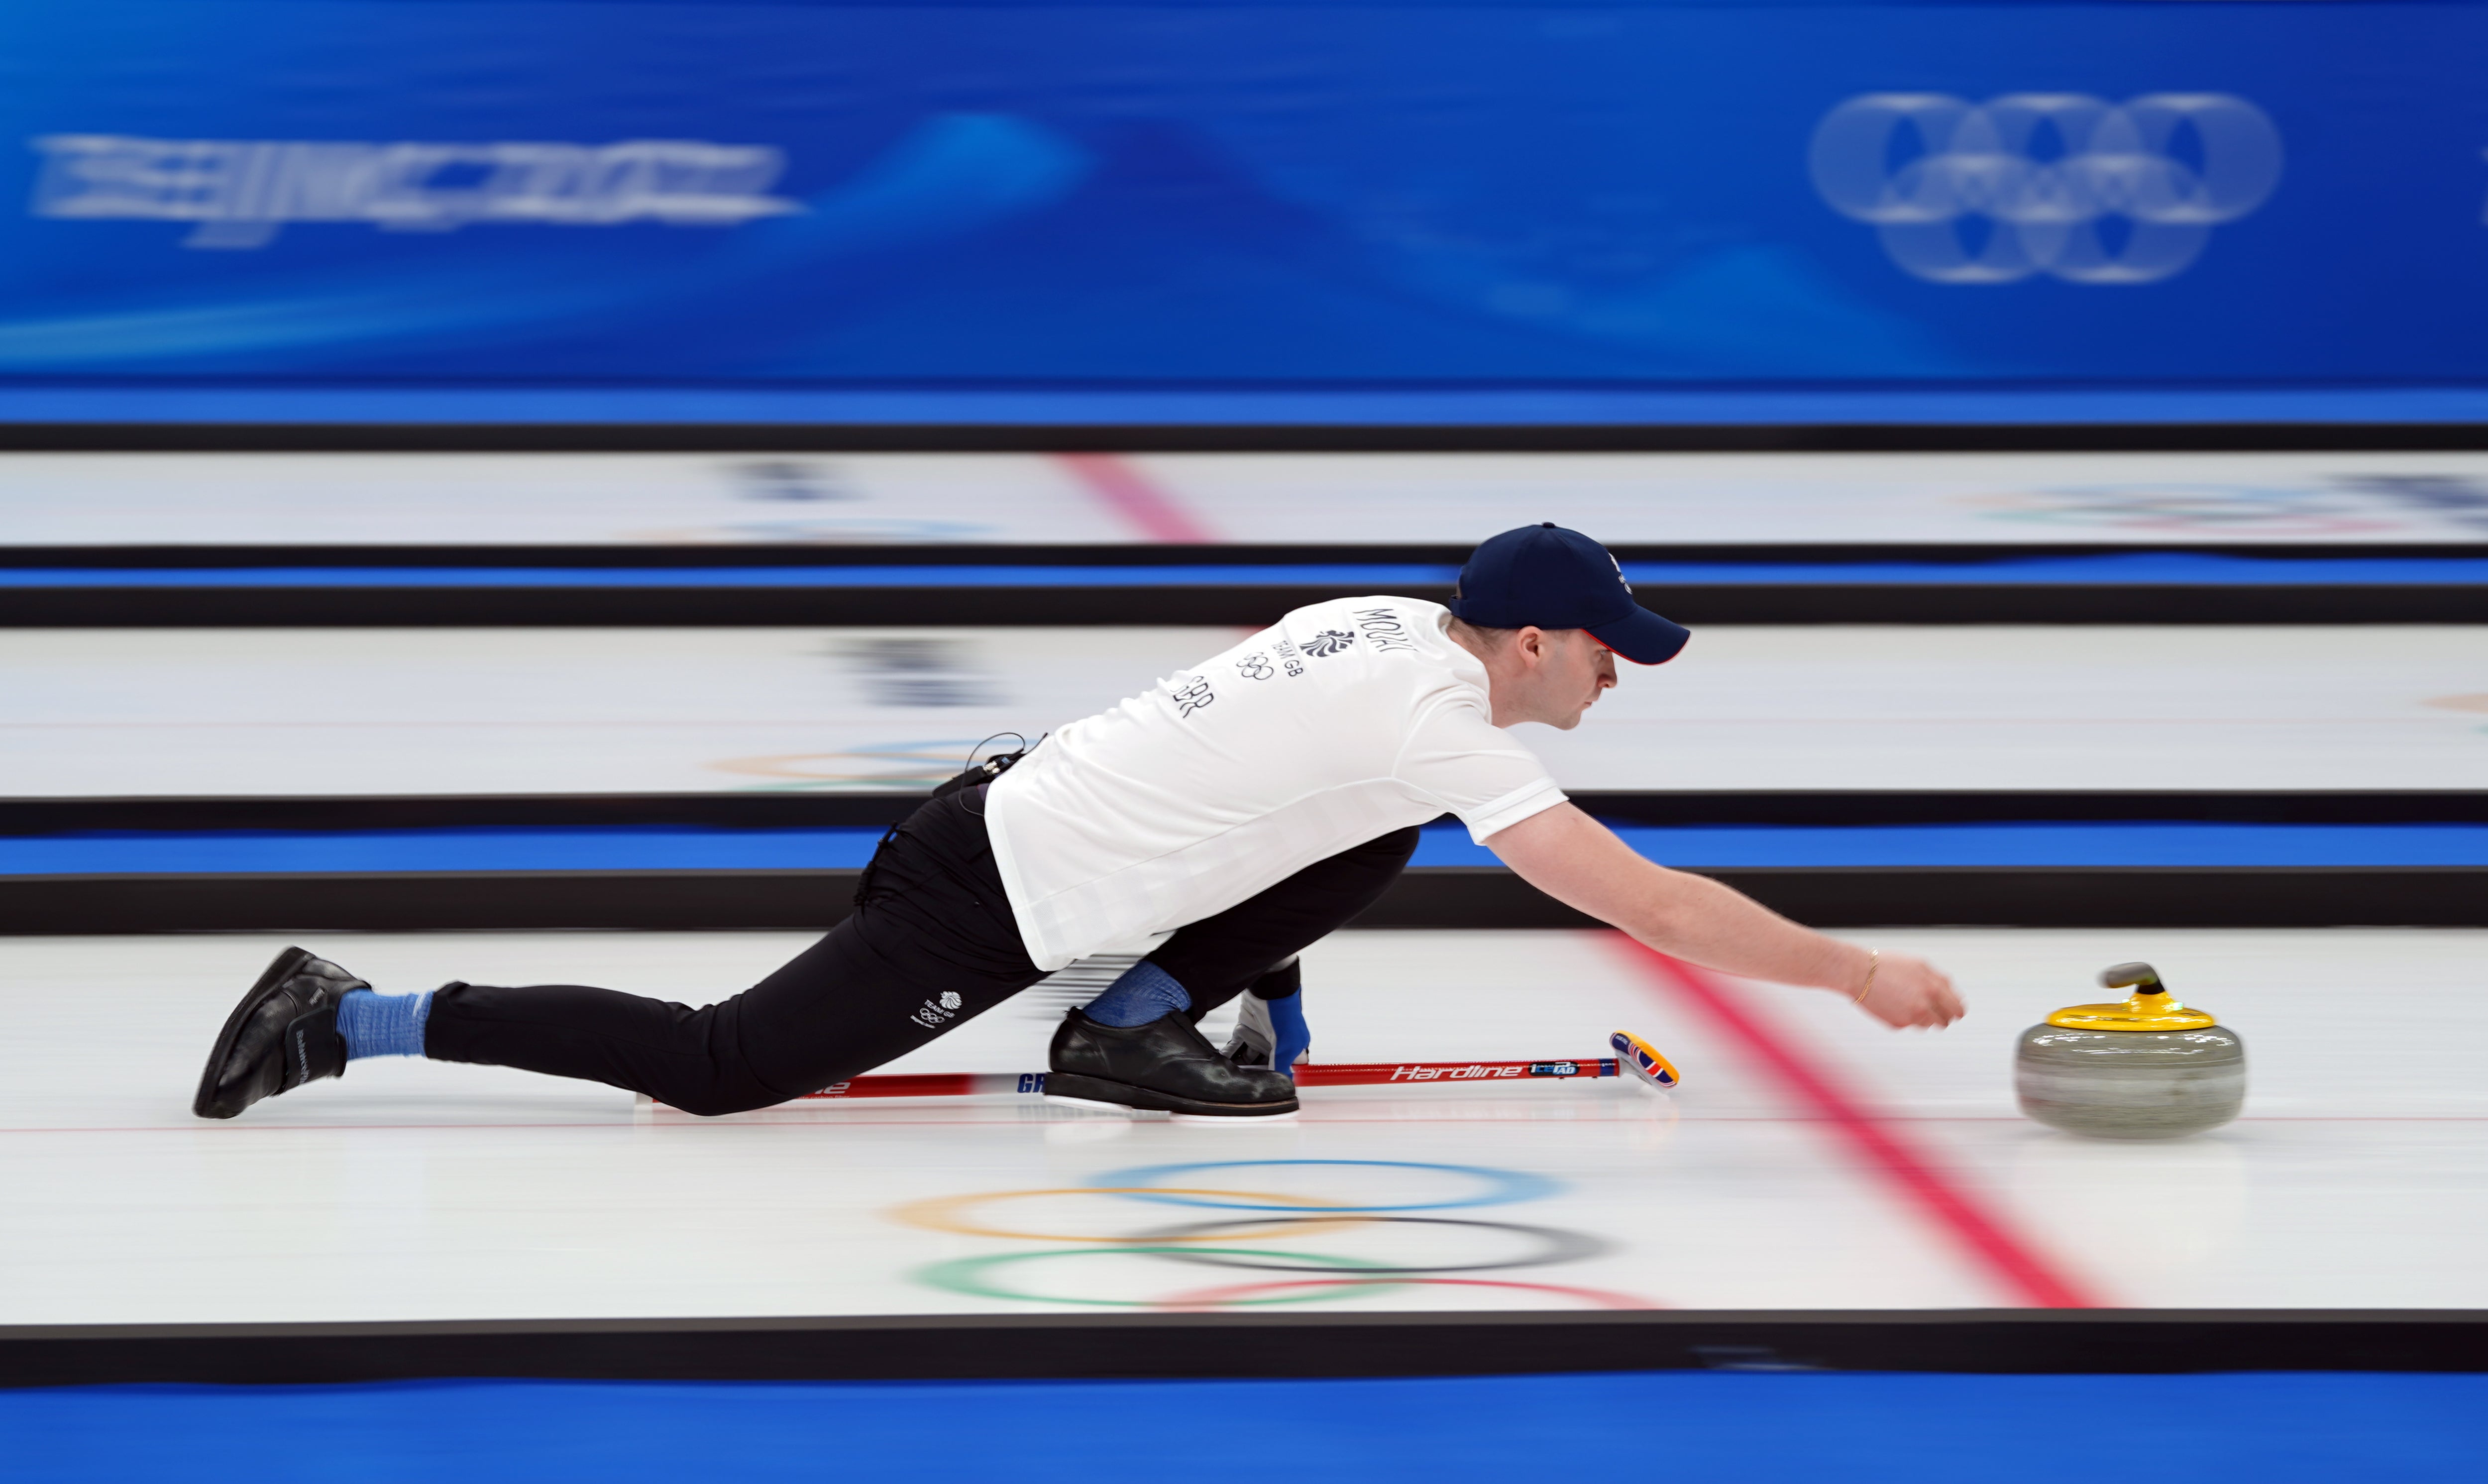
{"points": [[1375, 1073]]}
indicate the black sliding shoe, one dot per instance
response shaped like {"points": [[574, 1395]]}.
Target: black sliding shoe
{"points": [[1164, 1065], [282, 1035]]}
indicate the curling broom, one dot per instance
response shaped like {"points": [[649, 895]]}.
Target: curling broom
{"points": [[1635, 1058]]}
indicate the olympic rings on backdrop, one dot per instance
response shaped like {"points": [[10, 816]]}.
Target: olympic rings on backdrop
{"points": [[2043, 171], [940, 1214], [1211, 1297], [1503, 1185], [1558, 1246], [968, 1276]]}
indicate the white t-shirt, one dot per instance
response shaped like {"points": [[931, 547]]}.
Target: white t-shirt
{"points": [[1345, 721]]}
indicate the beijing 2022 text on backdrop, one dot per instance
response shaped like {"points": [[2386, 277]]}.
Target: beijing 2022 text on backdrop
{"points": [[412, 192]]}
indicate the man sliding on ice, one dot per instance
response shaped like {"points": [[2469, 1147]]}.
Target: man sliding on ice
{"points": [[1222, 821]]}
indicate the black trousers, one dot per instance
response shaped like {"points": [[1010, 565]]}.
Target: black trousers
{"points": [[931, 943]]}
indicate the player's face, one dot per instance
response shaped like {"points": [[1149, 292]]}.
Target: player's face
{"points": [[1549, 676], [1579, 668]]}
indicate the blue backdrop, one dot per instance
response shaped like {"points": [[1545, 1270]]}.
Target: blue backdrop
{"points": [[1171, 195]]}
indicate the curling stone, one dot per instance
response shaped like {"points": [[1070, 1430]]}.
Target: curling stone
{"points": [[2144, 1068]]}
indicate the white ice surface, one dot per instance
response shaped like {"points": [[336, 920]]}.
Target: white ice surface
{"points": [[412, 1189], [241, 712], [1317, 499]]}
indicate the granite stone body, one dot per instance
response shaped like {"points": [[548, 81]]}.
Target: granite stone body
{"points": [[2130, 1083]]}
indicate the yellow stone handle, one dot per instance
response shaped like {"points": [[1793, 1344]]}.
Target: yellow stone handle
{"points": [[2139, 977], [2150, 1007]]}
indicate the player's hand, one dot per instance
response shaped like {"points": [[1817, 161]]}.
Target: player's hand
{"points": [[1910, 992]]}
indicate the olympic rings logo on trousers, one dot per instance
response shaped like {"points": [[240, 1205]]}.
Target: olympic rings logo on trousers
{"points": [[2061, 184]]}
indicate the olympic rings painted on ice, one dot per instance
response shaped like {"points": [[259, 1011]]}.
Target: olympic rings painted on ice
{"points": [[891, 765], [1239, 1293], [2034, 176], [968, 1276], [1557, 1244], [1503, 1185], [1345, 1277], [941, 1214]]}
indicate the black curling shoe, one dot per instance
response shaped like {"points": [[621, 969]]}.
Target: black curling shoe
{"points": [[282, 1035], [1165, 1065]]}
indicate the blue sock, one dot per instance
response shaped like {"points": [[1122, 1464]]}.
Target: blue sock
{"points": [[1288, 1023], [1145, 993], [383, 1025]]}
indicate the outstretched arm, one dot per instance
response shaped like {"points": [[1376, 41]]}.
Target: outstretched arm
{"points": [[1579, 862]]}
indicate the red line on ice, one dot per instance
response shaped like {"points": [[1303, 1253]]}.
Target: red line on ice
{"points": [[1982, 1233], [1132, 495]]}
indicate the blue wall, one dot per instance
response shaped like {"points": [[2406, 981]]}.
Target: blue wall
{"points": [[1204, 195]]}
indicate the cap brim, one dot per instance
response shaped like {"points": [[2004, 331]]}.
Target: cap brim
{"points": [[1642, 637]]}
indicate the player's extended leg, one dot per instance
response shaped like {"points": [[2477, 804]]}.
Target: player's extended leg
{"points": [[1216, 958], [1135, 1044], [931, 944]]}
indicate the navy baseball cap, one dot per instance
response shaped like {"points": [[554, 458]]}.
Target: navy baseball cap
{"points": [[1555, 578]]}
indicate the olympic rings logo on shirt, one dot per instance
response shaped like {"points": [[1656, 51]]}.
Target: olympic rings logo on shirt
{"points": [[2061, 184], [1240, 1240]]}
